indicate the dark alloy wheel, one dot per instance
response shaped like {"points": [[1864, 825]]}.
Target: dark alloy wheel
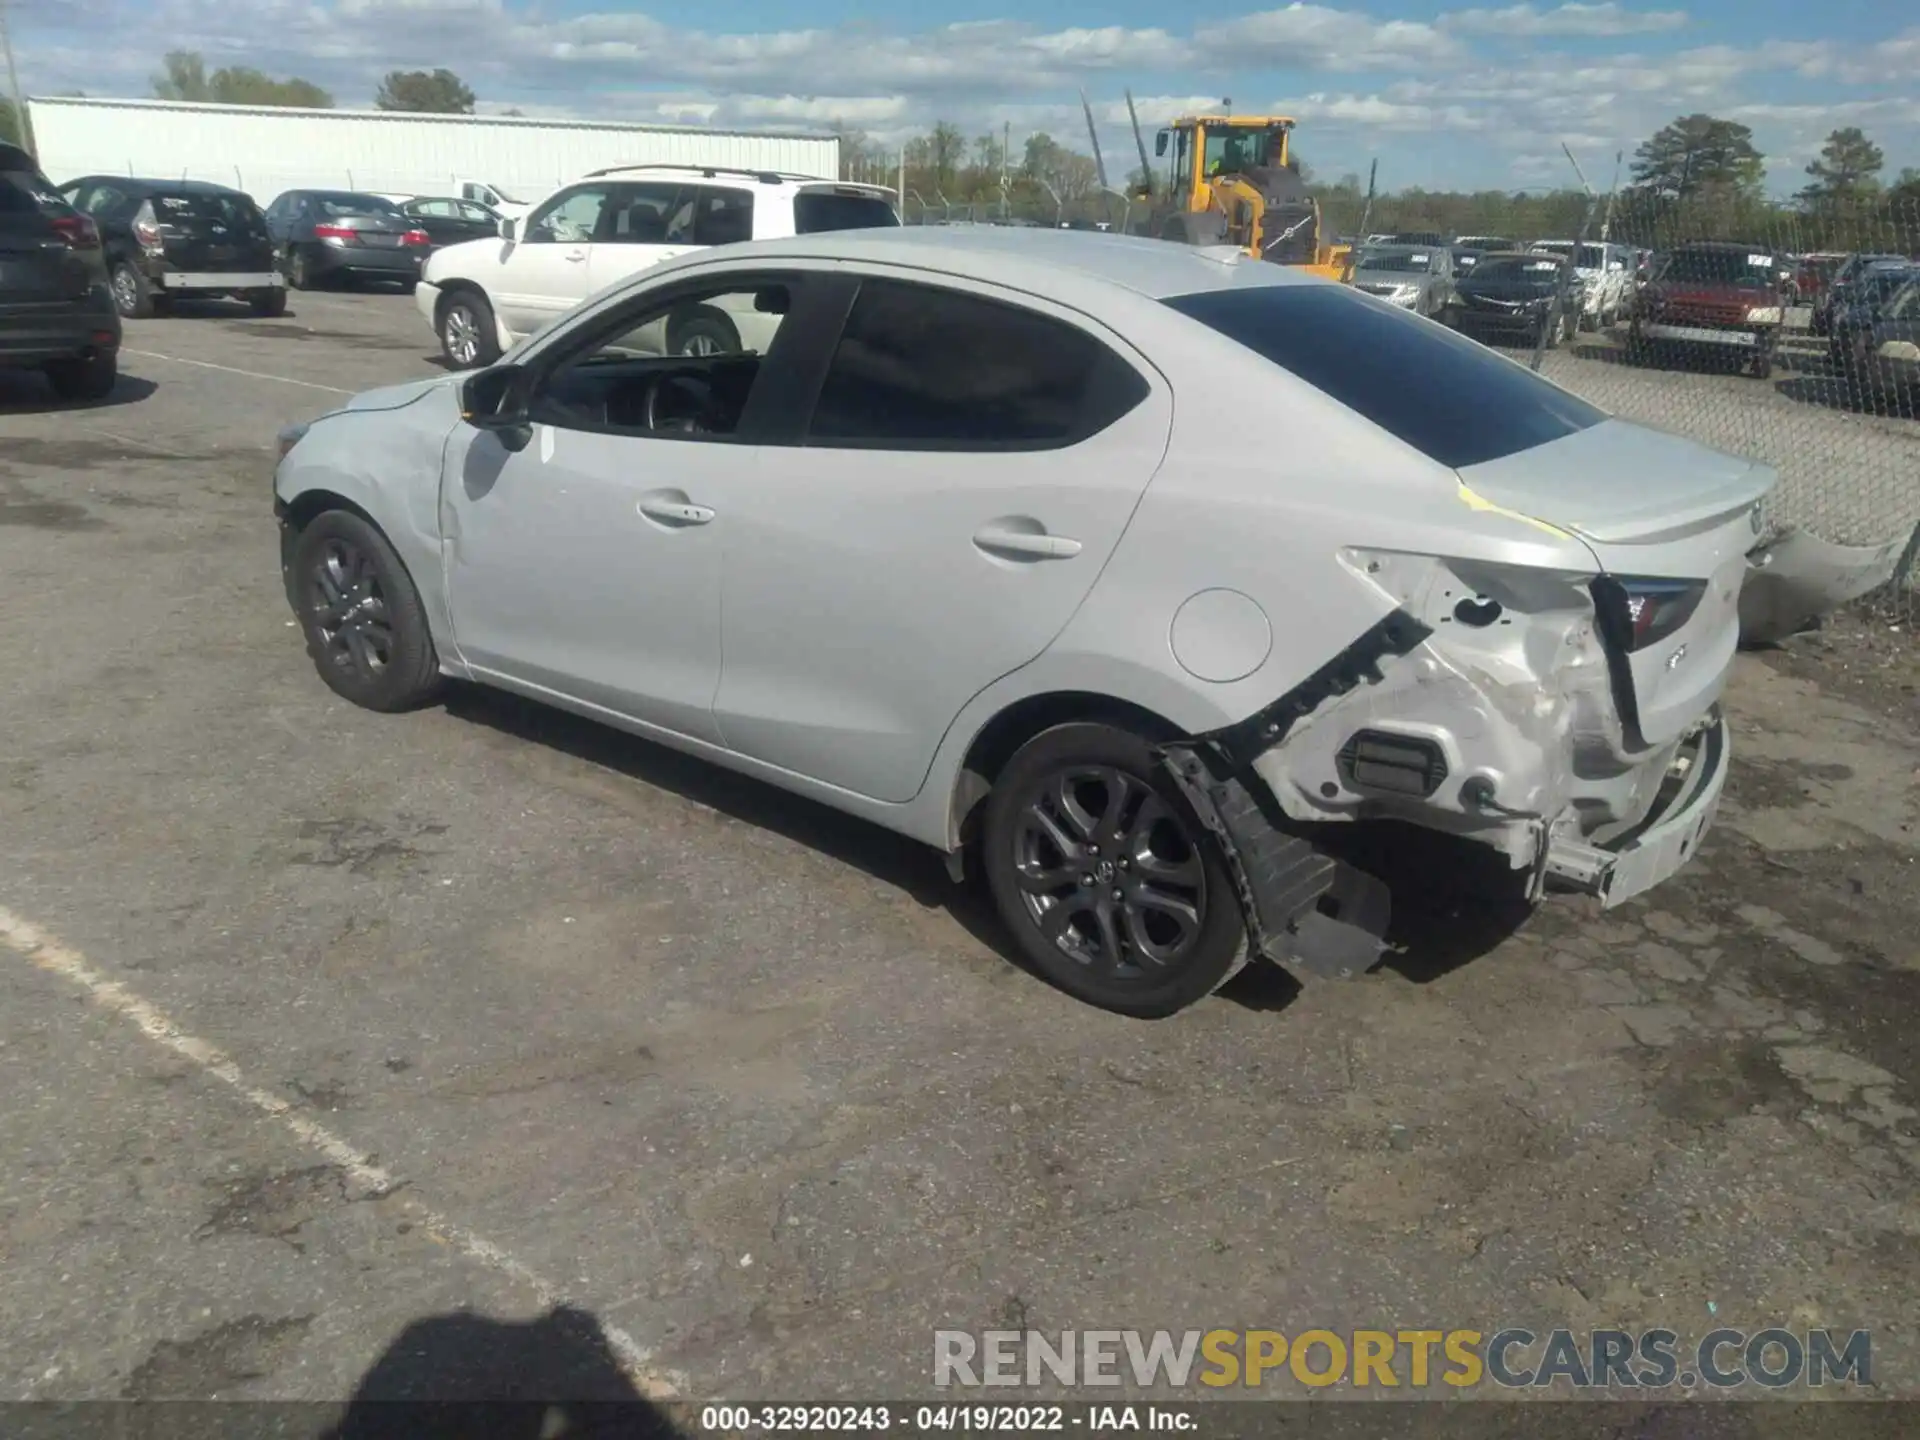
{"points": [[362, 617], [1105, 877]]}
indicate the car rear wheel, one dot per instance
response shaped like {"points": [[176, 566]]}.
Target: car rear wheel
{"points": [[269, 302], [298, 273], [1104, 876], [468, 334], [364, 624], [91, 378], [132, 295], [705, 331]]}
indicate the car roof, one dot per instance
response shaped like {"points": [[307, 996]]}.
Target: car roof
{"points": [[1731, 247], [1038, 260], [770, 179], [1532, 255]]}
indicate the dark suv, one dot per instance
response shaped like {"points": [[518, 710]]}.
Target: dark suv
{"points": [[167, 238], [56, 315]]}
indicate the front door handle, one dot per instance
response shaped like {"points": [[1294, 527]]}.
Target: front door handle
{"points": [[674, 510], [576, 256], [1026, 545]]}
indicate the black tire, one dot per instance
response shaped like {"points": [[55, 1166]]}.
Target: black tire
{"points": [[703, 331], [132, 295], [1033, 875], [268, 303], [469, 338], [1762, 367], [90, 379], [364, 625], [296, 269]]}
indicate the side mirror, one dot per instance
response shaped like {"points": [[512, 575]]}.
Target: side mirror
{"points": [[498, 399], [509, 229], [1160, 143]]}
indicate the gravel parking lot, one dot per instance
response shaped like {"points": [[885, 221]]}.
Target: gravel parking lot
{"points": [[319, 1025]]}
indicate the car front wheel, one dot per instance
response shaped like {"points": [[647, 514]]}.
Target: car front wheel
{"points": [[1106, 879], [364, 624], [468, 335]]}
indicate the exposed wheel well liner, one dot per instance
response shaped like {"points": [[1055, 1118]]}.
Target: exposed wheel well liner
{"points": [[1006, 732]]}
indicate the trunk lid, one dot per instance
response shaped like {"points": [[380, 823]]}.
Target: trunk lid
{"points": [[1650, 507], [210, 232]]}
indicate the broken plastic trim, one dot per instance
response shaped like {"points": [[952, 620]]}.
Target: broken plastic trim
{"points": [[1392, 636], [1286, 883]]}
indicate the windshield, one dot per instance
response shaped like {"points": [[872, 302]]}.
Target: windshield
{"points": [[333, 204], [1470, 405], [1541, 271], [1718, 267], [815, 211], [1592, 257], [1229, 151], [1416, 262]]}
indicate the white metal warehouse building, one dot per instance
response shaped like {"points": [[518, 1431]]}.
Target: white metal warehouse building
{"points": [[264, 150]]}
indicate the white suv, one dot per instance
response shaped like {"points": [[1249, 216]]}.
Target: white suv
{"points": [[483, 295], [1606, 271]]}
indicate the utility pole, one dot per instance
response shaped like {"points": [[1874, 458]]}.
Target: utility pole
{"points": [[13, 86], [1006, 144], [1606, 223]]}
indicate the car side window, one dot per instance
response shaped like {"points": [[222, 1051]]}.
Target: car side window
{"points": [[477, 213], [639, 214], [571, 217], [438, 209], [711, 215], [1906, 304], [920, 367], [682, 367]]}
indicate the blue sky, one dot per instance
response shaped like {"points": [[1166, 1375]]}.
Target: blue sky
{"points": [[1464, 95]]}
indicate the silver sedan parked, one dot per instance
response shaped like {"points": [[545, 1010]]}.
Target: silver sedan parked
{"points": [[1137, 576]]}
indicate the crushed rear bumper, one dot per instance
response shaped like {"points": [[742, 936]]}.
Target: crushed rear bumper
{"points": [[1661, 844]]}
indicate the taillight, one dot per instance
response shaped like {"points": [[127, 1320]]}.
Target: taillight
{"points": [[78, 231], [416, 237], [1655, 609], [336, 232]]}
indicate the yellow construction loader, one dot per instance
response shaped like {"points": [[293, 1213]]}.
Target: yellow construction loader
{"points": [[1232, 180]]}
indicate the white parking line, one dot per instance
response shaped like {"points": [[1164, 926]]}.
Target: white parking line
{"points": [[49, 954], [235, 370]]}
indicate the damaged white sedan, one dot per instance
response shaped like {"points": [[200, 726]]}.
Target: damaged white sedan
{"points": [[1134, 573]]}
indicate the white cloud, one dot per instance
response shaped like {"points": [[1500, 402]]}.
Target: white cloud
{"points": [[1439, 100], [1607, 19], [1315, 37]]}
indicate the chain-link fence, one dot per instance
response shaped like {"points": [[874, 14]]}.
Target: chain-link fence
{"points": [[1786, 335]]}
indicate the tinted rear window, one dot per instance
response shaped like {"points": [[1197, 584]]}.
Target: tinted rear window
{"points": [[336, 204], [818, 210], [26, 192], [1448, 397], [228, 209]]}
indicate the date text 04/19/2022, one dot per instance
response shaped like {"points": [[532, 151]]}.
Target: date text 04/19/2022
{"points": [[941, 1418]]}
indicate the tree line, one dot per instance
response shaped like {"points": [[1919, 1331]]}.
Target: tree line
{"points": [[1698, 175], [185, 77]]}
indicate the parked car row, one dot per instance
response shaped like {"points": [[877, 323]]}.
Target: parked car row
{"points": [[166, 238]]}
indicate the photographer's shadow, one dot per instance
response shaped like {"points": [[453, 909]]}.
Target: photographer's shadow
{"points": [[467, 1377]]}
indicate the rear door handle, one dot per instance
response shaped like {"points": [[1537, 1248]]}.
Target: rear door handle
{"points": [[675, 512], [1025, 545]]}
